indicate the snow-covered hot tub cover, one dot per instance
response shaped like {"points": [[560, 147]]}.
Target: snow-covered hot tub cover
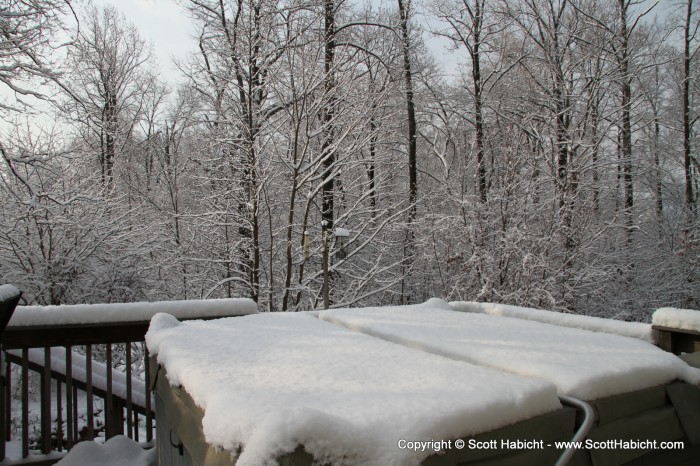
{"points": [[594, 324], [583, 364], [270, 382]]}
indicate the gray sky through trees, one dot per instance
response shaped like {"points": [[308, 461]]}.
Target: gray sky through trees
{"points": [[163, 22], [166, 24]]}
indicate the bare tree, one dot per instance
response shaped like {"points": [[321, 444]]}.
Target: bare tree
{"points": [[468, 28], [58, 241], [690, 29], [28, 43], [111, 79], [411, 136]]}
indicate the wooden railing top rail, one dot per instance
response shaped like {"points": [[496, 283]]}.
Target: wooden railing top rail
{"points": [[70, 314], [84, 324], [36, 336], [41, 340]]}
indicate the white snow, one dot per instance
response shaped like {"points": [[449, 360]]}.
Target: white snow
{"points": [[344, 232], [117, 451], [129, 312], [13, 455], [594, 324], [583, 364], [8, 291], [683, 319], [270, 382]]}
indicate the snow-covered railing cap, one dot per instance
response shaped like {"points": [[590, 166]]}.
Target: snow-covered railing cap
{"points": [[9, 297], [25, 316], [679, 319], [8, 292], [678, 329]]}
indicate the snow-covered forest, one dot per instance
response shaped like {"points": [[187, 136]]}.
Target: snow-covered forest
{"points": [[554, 166]]}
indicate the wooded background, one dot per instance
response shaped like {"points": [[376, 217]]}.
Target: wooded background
{"points": [[557, 169]]}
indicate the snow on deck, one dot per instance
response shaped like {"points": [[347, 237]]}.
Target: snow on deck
{"points": [[587, 365], [130, 312], [270, 382], [683, 319], [594, 324], [117, 451]]}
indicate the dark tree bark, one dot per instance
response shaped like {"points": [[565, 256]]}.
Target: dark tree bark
{"points": [[327, 190], [412, 169], [687, 125], [625, 115], [477, 22]]}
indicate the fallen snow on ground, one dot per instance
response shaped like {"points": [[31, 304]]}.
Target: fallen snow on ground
{"points": [[117, 451], [684, 319], [13, 455], [270, 382], [587, 365], [129, 312], [594, 324], [8, 291]]}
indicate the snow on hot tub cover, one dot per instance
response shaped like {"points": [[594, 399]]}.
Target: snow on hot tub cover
{"points": [[584, 364], [270, 382], [594, 324]]}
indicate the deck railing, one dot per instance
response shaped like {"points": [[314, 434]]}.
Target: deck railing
{"points": [[60, 363]]}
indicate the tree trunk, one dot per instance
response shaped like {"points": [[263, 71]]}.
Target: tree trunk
{"points": [[477, 21], [687, 127], [328, 151], [625, 116], [406, 291]]}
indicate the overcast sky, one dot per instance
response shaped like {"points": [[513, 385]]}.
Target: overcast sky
{"points": [[170, 29], [165, 24]]}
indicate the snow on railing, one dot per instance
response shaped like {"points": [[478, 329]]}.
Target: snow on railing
{"points": [[681, 319], [8, 292], [678, 329], [59, 343], [130, 312]]}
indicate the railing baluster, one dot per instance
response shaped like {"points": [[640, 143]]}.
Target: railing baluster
{"points": [[70, 417], [76, 434], [25, 402], [46, 403], [88, 383], [8, 402], [69, 383], [59, 417], [109, 406], [136, 426], [149, 416], [129, 407], [3, 405]]}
